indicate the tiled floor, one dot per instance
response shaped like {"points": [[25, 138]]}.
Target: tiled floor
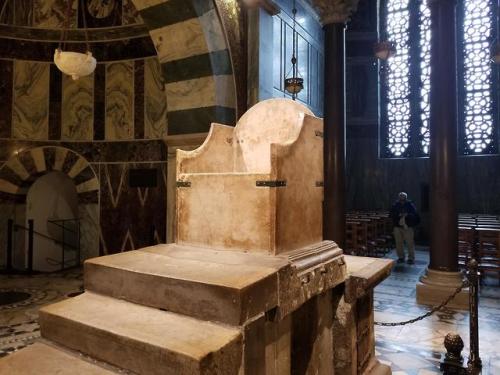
{"points": [[18, 322], [412, 349], [417, 348]]}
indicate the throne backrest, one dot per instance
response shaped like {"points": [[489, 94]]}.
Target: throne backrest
{"points": [[271, 121]]}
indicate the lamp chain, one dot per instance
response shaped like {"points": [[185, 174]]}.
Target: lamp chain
{"points": [[294, 46]]}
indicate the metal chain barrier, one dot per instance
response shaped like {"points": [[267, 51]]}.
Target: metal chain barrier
{"points": [[465, 284]]}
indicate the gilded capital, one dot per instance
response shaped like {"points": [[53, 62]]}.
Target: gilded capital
{"points": [[333, 11]]}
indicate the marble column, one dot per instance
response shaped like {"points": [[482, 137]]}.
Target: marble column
{"points": [[442, 276], [334, 133], [333, 15]]}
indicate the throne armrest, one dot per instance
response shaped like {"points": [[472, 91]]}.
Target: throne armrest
{"points": [[213, 156]]}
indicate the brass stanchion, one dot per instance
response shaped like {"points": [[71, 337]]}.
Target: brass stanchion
{"points": [[474, 363], [453, 361]]}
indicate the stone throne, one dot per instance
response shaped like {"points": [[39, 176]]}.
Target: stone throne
{"points": [[256, 187], [249, 287]]}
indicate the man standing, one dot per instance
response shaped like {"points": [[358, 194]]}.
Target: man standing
{"points": [[404, 217]]}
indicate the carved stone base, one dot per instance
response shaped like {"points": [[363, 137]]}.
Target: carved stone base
{"points": [[435, 286]]}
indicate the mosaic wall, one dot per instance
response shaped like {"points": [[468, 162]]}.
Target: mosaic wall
{"points": [[45, 104], [163, 67]]}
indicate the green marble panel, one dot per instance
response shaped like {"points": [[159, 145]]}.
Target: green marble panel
{"points": [[155, 103], [30, 115], [77, 108], [198, 120], [213, 63], [119, 120], [52, 13]]}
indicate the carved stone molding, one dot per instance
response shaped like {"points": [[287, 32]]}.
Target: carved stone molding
{"points": [[333, 11]]}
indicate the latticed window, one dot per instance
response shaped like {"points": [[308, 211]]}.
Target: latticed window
{"points": [[405, 78]]}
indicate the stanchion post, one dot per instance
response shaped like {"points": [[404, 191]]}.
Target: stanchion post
{"points": [[30, 245], [474, 364], [10, 241]]}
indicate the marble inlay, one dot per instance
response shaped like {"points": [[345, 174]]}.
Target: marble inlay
{"points": [[78, 108], [188, 34], [53, 13], [39, 159], [7, 211], [130, 15], [89, 230], [142, 4], [155, 101], [119, 122], [214, 35], [201, 92], [31, 100], [417, 348]]}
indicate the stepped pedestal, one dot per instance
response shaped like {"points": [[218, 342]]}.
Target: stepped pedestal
{"points": [[249, 287]]}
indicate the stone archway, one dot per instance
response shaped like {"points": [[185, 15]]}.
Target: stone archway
{"points": [[19, 173], [195, 60]]}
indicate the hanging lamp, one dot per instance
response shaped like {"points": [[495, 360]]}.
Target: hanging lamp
{"points": [[295, 83], [74, 64], [384, 50]]}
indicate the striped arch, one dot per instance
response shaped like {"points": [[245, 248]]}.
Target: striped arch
{"points": [[21, 171], [195, 61]]}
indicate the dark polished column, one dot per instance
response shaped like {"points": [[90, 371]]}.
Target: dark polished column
{"points": [[334, 134], [442, 277], [443, 137]]}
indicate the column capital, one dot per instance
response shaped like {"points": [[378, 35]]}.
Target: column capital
{"points": [[333, 11]]}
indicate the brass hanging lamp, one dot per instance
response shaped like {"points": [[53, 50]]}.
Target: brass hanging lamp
{"points": [[295, 83], [384, 50], [74, 64]]}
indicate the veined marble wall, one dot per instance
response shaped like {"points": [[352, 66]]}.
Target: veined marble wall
{"points": [[52, 13], [77, 108], [122, 84], [122, 101], [155, 107], [30, 101], [119, 122]]}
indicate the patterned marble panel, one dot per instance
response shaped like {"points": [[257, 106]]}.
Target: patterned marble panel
{"points": [[23, 12], [89, 230], [188, 34], [97, 152], [214, 35], [78, 108], [131, 217], [155, 101], [31, 100], [119, 122], [6, 79], [6, 212], [52, 13], [130, 14]]}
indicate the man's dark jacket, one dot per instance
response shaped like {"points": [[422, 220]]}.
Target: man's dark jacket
{"points": [[412, 218]]}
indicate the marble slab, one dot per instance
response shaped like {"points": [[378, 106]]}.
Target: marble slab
{"points": [[119, 119], [155, 100], [53, 13], [89, 230], [130, 14], [30, 118], [78, 108]]}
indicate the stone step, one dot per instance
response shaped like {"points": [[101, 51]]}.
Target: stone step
{"points": [[141, 339], [42, 358], [223, 286]]}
